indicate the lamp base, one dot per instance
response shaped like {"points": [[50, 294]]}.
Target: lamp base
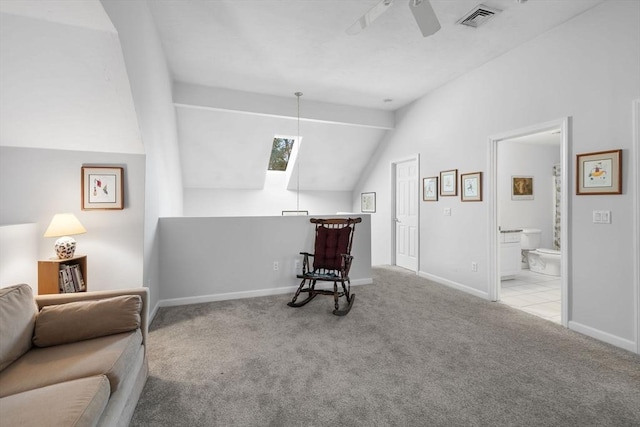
{"points": [[65, 247]]}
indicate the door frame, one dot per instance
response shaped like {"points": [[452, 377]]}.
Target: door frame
{"points": [[564, 124], [392, 218], [635, 164]]}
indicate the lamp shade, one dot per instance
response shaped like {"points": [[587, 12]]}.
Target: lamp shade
{"points": [[65, 224]]}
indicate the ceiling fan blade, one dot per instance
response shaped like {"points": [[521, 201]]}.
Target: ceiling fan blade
{"points": [[369, 17], [425, 17]]}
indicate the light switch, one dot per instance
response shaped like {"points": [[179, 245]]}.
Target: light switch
{"points": [[602, 217], [447, 211], [597, 217]]}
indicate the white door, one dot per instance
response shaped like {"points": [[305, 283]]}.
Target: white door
{"points": [[406, 215]]}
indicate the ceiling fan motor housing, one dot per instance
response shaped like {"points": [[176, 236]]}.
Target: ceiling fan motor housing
{"points": [[425, 17]]}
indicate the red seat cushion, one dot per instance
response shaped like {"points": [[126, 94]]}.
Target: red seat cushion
{"points": [[331, 243]]}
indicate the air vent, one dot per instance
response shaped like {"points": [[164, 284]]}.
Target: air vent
{"points": [[478, 16]]}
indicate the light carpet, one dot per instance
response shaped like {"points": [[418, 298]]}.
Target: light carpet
{"points": [[410, 353]]}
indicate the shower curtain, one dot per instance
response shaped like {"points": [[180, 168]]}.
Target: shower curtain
{"points": [[557, 186]]}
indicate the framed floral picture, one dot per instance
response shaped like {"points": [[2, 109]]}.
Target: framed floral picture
{"points": [[599, 173], [471, 187], [449, 183], [430, 189], [102, 188]]}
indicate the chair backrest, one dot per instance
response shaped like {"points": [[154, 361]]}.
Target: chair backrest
{"points": [[334, 237]]}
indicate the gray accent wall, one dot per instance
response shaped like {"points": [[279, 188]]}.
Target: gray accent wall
{"points": [[37, 183], [208, 259]]}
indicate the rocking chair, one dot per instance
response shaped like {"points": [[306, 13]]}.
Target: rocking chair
{"points": [[331, 263]]}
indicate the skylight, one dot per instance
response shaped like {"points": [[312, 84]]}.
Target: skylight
{"points": [[280, 153]]}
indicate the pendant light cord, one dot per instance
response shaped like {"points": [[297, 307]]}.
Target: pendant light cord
{"points": [[298, 94]]}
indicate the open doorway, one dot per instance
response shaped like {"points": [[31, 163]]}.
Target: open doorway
{"points": [[528, 223]]}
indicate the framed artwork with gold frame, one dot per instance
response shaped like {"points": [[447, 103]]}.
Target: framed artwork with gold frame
{"points": [[471, 187], [102, 188], [599, 173], [449, 183]]}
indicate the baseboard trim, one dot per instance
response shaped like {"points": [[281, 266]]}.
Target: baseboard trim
{"points": [[241, 295], [603, 336], [454, 285], [153, 312]]}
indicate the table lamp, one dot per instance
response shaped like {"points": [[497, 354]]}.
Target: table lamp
{"points": [[63, 226]]}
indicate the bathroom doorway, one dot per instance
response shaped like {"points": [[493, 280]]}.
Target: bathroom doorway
{"points": [[528, 176]]}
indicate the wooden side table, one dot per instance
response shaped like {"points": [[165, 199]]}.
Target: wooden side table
{"points": [[49, 273]]}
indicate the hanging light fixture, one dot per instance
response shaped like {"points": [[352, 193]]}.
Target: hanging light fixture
{"points": [[298, 95]]}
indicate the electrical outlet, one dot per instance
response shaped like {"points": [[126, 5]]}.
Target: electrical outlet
{"points": [[447, 211], [296, 265], [276, 266], [474, 266]]}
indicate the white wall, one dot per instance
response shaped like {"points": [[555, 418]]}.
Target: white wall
{"points": [[271, 200], [517, 159], [66, 102], [35, 184], [208, 259], [63, 87], [151, 89], [588, 69], [19, 255]]}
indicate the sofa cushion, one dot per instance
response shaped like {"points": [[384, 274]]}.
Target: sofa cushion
{"points": [[112, 356], [76, 403], [17, 318], [82, 320]]}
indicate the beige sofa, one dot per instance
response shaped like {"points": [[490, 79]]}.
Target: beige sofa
{"points": [[71, 359]]}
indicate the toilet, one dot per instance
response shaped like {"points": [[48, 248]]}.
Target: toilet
{"points": [[536, 259]]}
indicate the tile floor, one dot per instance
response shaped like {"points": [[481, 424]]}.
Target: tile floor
{"points": [[535, 293]]}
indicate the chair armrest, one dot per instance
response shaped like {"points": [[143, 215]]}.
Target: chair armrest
{"points": [[346, 264], [55, 299], [305, 262]]}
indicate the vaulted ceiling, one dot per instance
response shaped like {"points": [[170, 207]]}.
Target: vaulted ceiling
{"points": [[237, 64]]}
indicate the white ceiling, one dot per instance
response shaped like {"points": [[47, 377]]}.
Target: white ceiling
{"points": [[277, 47]]}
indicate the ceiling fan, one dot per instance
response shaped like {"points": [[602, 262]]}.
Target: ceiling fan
{"points": [[422, 12]]}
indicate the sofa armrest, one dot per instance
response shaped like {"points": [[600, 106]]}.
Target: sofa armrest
{"points": [[55, 299]]}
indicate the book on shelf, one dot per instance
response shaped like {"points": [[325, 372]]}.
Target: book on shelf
{"points": [[66, 281], [70, 279], [78, 280], [61, 286]]}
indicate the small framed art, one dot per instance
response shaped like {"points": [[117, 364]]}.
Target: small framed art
{"points": [[471, 187], [521, 188], [449, 183], [368, 202], [295, 213], [599, 173], [102, 188], [430, 189]]}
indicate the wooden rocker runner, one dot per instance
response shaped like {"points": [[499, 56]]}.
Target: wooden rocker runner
{"points": [[331, 263]]}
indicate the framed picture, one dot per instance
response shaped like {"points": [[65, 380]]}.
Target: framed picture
{"points": [[599, 173], [471, 187], [295, 213], [102, 188], [521, 188], [368, 202], [449, 183], [430, 189]]}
